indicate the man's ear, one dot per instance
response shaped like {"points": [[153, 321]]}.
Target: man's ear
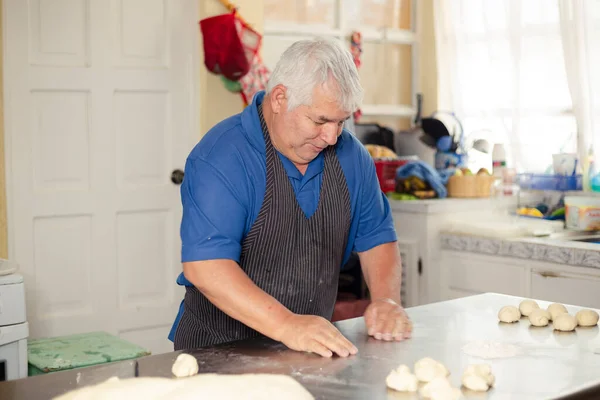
{"points": [[278, 99]]}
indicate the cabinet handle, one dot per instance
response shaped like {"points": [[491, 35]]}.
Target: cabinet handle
{"points": [[420, 267], [548, 274]]}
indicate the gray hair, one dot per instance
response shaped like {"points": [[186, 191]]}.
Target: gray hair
{"points": [[307, 64]]}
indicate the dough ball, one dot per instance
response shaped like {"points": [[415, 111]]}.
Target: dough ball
{"points": [[185, 365], [509, 314], [402, 380], [587, 318], [564, 322], [440, 389], [539, 317], [427, 369], [478, 377], [556, 309], [527, 306]]}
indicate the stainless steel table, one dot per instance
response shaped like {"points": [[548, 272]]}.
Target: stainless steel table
{"points": [[548, 364]]}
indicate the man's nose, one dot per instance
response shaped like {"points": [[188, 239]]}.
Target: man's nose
{"points": [[330, 133]]}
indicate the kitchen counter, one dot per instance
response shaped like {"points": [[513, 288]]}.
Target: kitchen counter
{"points": [[545, 364], [436, 206], [547, 249]]}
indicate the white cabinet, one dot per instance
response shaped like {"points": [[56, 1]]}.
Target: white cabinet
{"points": [[465, 274], [564, 287], [418, 225]]}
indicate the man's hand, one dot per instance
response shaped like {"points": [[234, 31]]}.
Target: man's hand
{"points": [[387, 320], [314, 334]]}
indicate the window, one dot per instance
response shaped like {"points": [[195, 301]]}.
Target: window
{"points": [[389, 44], [502, 70]]}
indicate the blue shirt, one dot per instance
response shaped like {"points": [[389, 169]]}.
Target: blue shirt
{"points": [[225, 181]]}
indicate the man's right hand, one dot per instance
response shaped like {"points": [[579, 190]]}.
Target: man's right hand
{"points": [[314, 334]]}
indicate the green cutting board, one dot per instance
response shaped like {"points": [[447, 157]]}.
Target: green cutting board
{"points": [[75, 351]]}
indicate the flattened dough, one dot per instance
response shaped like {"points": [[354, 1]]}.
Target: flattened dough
{"points": [[203, 386]]}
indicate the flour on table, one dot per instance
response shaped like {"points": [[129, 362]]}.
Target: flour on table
{"points": [[488, 349], [203, 386]]}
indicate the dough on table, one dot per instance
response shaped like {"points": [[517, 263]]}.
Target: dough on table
{"points": [[203, 386], [185, 365], [478, 377], [509, 314], [564, 322], [527, 306], [539, 317], [556, 309], [402, 380], [587, 318], [440, 389], [427, 369]]}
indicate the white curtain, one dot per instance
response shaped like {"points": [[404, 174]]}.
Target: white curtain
{"points": [[501, 68], [580, 25]]}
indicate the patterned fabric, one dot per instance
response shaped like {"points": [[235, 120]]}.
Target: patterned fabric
{"points": [[255, 80], [293, 258]]}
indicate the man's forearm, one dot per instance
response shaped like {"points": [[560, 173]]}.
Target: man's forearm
{"points": [[226, 285], [382, 269]]}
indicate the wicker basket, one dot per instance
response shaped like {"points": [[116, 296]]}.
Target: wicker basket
{"points": [[470, 186]]}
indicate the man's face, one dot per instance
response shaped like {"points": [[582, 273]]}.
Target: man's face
{"points": [[308, 130]]}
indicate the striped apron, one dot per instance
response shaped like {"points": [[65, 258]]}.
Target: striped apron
{"points": [[293, 258]]}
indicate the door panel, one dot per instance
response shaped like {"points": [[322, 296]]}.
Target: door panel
{"points": [[101, 98]]}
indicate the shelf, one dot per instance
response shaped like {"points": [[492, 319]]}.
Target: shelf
{"points": [[387, 110]]}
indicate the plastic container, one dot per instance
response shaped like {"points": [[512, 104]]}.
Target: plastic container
{"points": [[582, 213], [386, 172], [550, 182], [470, 186], [498, 160]]}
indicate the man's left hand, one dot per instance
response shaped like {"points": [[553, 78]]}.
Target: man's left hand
{"points": [[387, 320]]}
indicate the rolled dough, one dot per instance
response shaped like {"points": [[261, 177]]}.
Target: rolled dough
{"points": [[203, 386]]}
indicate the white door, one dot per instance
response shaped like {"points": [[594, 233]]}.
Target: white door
{"points": [[101, 107]]}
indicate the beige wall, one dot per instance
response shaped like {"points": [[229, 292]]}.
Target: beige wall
{"points": [[216, 103], [3, 228], [427, 60]]}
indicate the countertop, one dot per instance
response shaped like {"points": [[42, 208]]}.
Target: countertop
{"points": [[436, 206], [546, 249], [545, 364]]}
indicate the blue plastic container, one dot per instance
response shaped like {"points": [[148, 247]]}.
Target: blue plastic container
{"points": [[550, 182]]}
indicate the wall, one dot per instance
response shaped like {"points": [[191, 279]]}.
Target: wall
{"points": [[408, 141], [216, 103], [3, 213]]}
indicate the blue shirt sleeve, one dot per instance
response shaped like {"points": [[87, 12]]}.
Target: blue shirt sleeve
{"points": [[375, 225], [214, 217]]}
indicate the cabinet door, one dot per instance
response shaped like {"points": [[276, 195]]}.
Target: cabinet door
{"points": [[465, 274], [568, 288], [409, 251]]}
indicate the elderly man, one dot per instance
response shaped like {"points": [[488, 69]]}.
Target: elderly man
{"points": [[274, 201]]}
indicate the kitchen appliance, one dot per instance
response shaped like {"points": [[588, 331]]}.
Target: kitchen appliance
{"points": [[14, 328]]}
